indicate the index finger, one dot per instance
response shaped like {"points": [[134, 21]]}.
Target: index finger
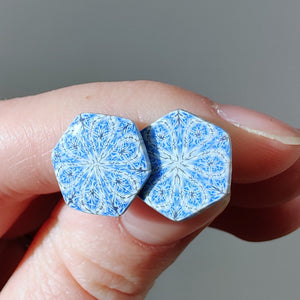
{"points": [[30, 127]]}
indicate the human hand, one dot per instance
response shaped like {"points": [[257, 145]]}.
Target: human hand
{"points": [[81, 256]]}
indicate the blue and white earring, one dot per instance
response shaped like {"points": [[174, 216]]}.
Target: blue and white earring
{"points": [[179, 165], [191, 165], [101, 163]]}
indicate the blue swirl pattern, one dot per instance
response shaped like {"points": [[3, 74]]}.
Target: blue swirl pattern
{"points": [[191, 165], [101, 163]]}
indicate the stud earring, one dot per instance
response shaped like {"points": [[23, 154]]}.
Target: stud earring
{"points": [[191, 165], [101, 163]]}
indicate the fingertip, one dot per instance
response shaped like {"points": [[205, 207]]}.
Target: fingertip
{"points": [[262, 145], [150, 227], [259, 124], [256, 158]]}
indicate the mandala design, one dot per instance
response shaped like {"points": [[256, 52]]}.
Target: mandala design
{"points": [[101, 164], [191, 165]]}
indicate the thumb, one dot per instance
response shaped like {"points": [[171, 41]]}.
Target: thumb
{"points": [[81, 256]]}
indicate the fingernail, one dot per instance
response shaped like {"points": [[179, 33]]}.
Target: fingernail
{"points": [[149, 227], [259, 124]]}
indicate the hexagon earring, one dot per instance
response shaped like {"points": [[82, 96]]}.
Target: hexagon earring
{"points": [[191, 165], [101, 164]]}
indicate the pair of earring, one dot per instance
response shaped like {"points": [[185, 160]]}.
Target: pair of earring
{"points": [[179, 165]]}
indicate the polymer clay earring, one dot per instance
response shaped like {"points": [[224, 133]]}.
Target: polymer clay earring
{"points": [[191, 165], [101, 163]]}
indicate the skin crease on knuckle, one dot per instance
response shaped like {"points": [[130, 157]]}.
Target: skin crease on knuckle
{"points": [[20, 142], [121, 266], [103, 279]]}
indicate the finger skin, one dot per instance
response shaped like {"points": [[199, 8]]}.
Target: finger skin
{"points": [[260, 224], [267, 193], [30, 127], [34, 215], [257, 158]]}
